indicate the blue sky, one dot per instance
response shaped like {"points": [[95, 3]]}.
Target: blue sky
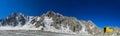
{"points": [[101, 12]]}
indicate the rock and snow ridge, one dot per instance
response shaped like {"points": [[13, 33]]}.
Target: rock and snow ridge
{"points": [[53, 22]]}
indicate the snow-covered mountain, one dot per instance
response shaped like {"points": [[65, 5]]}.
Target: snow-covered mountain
{"points": [[52, 22]]}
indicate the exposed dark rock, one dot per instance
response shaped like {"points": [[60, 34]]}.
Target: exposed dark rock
{"points": [[21, 19], [2, 22], [50, 14], [15, 19]]}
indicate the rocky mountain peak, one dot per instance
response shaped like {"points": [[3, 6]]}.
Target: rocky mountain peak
{"points": [[50, 13]]}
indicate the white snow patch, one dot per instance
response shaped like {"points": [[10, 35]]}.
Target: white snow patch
{"points": [[47, 22], [83, 26]]}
